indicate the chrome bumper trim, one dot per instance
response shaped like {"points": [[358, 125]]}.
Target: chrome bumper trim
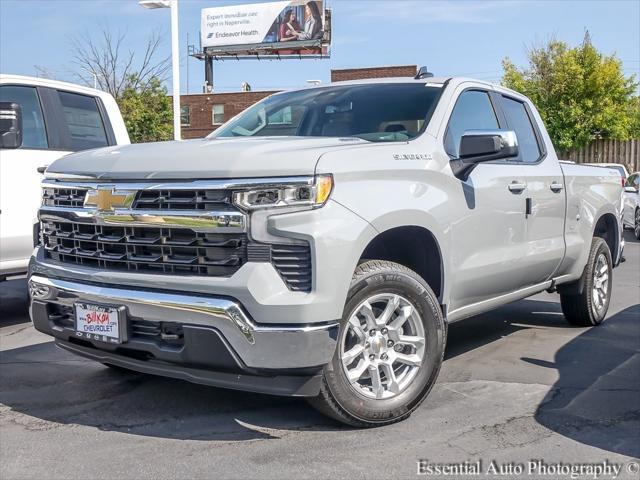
{"points": [[198, 221], [239, 183], [258, 346]]}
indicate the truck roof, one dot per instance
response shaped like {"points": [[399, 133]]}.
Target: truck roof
{"points": [[427, 81], [46, 82]]}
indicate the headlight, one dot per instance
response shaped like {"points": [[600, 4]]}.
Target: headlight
{"points": [[304, 195]]}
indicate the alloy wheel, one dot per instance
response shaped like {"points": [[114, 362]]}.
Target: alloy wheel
{"points": [[600, 287], [382, 346]]}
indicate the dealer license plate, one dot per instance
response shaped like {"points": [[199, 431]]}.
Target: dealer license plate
{"points": [[99, 322]]}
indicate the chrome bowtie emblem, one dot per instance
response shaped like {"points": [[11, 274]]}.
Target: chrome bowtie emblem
{"points": [[108, 199]]}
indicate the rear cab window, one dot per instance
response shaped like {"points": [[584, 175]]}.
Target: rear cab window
{"points": [[83, 120]]}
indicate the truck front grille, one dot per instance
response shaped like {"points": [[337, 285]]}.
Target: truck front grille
{"points": [[181, 199], [63, 197], [205, 200], [144, 249], [204, 234]]}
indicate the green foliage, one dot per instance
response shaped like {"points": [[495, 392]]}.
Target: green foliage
{"points": [[634, 108], [147, 112], [579, 92]]}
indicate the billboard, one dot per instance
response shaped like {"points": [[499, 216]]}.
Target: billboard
{"points": [[293, 27]]}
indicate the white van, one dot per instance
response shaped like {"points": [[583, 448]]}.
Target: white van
{"points": [[40, 121]]}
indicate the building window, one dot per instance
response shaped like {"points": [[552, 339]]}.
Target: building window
{"points": [[185, 115], [217, 114]]}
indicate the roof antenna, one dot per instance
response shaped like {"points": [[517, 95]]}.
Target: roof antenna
{"points": [[423, 73]]}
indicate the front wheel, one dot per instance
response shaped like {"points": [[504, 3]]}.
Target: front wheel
{"points": [[389, 350], [589, 307], [636, 227]]}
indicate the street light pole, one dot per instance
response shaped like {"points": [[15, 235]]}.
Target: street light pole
{"points": [[175, 60], [175, 57]]}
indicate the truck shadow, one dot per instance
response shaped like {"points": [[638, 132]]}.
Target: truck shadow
{"points": [[596, 398], [14, 302], [595, 401], [51, 385]]}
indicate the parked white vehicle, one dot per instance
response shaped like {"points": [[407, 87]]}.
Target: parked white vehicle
{"points": [[631, 215], [54, 119]]}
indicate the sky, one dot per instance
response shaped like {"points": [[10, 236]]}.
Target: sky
{"points": [[453, 37]]}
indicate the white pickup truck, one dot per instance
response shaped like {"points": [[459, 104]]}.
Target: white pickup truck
{"points": [[319, 243], [40, 121]]}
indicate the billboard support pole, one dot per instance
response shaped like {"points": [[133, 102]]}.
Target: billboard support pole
{"points": [[208, 72]]}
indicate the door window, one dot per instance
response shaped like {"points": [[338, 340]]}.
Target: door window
{"points": [[519, 121], [83, 120], [473, 111], [34, 134]]}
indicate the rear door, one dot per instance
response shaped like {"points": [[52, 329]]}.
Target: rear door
{"points": [[544, 194]]}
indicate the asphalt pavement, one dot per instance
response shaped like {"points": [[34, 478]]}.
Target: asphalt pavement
{"points": [[518, 385]]}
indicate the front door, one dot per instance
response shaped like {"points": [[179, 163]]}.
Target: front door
{"points": [[488, 234], [20, 193]]}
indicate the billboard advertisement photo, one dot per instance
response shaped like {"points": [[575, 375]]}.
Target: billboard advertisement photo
{"points": [[295, 27]]}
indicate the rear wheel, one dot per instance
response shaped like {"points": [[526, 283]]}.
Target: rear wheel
{"points": [[636, 227], [389, 348], [589, 307]]}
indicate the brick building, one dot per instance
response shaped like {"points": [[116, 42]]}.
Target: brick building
{"points": [[201, 113], [373, 72]]}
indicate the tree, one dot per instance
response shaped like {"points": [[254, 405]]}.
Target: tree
{"points": [[579, 92], [115, 70], [136, 86], [146, 110]]}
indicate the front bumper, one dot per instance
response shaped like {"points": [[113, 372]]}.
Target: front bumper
{"points": [[214, 334]]}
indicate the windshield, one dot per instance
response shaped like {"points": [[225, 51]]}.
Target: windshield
{"points": [[377, 113]]}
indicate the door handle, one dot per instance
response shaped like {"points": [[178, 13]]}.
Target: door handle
{"points": [[517, 187], [556, 187]]}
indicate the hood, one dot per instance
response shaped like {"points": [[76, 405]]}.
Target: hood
{"points": [[203, 158]]}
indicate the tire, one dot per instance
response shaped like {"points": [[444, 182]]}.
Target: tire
{"points": [[636, 227], [589, 307], [403, 309]]}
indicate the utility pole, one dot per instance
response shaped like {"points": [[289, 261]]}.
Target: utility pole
{"points": [[175, 57]]}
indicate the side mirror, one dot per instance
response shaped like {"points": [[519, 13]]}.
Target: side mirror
{"points": [[630, 189], [10, 125], [477, 146]]}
